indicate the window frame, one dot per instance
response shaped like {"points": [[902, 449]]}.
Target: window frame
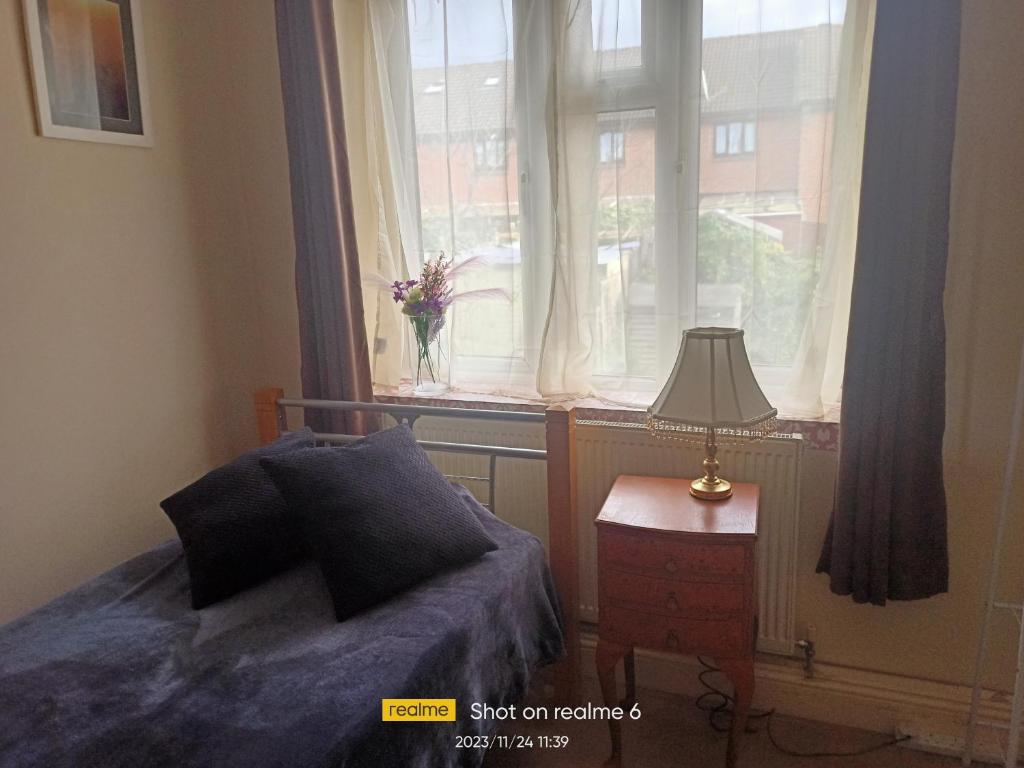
{"points": [[671, 38], [669, 82]]}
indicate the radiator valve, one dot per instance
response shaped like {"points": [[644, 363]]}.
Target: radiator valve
{"points": [[807, 646]]}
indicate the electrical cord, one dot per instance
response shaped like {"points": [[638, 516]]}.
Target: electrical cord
{"points": [[719, 706]]}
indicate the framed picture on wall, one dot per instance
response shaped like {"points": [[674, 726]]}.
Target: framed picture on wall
{"points": [[89, 70]]}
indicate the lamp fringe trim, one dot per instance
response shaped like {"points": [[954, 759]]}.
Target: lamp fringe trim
{"points": [[693, 433]]}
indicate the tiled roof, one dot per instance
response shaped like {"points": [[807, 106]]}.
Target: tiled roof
{"points": [[743, 73], [776, 70], [480, 97]]}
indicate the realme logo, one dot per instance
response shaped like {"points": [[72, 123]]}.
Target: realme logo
{"points": [[418, 710]]}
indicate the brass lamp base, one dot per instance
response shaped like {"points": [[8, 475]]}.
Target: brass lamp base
{"points": [[719, 489], [711, 487]]}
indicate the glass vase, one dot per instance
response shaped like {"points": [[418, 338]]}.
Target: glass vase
{"points": [[429, 354]]}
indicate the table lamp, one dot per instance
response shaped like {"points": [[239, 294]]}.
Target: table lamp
{"points": [[712, 395]]}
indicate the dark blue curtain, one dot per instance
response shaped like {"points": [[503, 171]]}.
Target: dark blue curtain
{"points": [[332, 332], [887, 536]]}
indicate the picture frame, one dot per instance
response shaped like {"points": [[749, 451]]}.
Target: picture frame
{"points": [[88, 67]]}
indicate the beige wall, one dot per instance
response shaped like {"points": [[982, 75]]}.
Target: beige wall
{"points": [[144, 293]]}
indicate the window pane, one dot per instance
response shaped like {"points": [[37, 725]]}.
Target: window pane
{"points": [[612, 146], [735, 134], [721, 139], [626, 269], [617, 28], [762, 216], [466, 156], [749, 137]]}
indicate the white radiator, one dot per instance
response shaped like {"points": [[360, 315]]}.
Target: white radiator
{"points": [[606, 451]]}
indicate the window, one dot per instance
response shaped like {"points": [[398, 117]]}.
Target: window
{"points": [[735, 138], [721, 139], [749, 137], [671, 238], [466, 164], [489, 152], [612, 147]]}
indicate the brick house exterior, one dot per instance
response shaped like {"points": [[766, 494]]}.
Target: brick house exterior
{"points": [[761, 146], [791, 104]]}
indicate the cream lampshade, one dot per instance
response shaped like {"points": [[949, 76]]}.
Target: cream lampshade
{"points": [[711, 396]]}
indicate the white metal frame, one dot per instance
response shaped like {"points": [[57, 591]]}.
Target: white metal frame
{"points": [[38, 66], [992, 604]]}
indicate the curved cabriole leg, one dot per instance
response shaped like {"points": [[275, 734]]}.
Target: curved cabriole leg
{"points": [[608, 655], [741, 673]]}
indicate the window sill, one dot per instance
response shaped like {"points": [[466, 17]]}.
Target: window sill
{"points": [[820, 434]]}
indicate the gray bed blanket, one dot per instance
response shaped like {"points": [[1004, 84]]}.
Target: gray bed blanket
{"points": [[122, 672]]}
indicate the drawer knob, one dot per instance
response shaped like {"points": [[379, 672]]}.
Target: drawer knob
{"points": [[672, 604], [670, 566], [672, 641]]}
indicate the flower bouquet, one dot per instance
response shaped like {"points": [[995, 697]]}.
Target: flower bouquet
{"points": [[425, 302]]}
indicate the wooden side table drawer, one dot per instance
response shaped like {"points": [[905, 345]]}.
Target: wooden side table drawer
{"points": [[657, 556], [671, 597], [666, 633]]}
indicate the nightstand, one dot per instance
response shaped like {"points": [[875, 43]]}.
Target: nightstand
{"points": [[676, 574]]}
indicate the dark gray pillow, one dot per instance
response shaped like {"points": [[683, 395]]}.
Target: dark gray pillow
{"points": [[377, 516], [234, 524]]}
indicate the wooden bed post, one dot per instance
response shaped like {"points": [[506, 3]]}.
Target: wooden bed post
{"points": [[269, 416], [563, 542]]}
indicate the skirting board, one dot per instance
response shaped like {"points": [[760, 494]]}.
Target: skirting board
{"points": [[933, 713]]}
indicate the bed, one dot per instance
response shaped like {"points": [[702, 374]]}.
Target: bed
{"points": [[123, 672]]}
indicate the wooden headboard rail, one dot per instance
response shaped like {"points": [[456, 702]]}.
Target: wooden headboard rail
{"points": [[560, 456]]}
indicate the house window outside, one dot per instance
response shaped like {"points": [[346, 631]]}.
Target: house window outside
{"points": [[613, 147], [736, 138], [489, 152]]}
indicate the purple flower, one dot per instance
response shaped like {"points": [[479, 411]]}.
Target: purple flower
{"points": [[409, 283]]}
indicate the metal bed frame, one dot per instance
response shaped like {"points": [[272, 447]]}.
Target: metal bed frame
{"points": [[559, 457], [408, 414]]}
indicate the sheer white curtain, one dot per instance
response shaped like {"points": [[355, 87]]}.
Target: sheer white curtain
{"points": [[447, 73], [377, 101], [622, 220], [567, 351], [627, 169], [782, 138], [815, 385]]}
